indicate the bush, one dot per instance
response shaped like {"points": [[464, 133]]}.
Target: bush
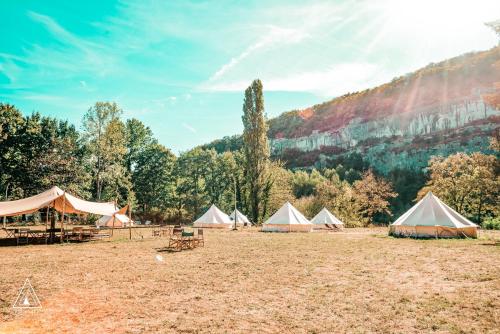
{"points": [[492, 224]]}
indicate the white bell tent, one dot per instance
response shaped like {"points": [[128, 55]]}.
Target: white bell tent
{"points": [[214, 218], [430, 217], [242, 220], [287, 219], [326, 220]]}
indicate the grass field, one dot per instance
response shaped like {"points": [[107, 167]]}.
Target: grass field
{"points": [[357, 281]]}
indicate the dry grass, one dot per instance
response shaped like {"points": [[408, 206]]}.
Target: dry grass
{"points": [[358, 281]]}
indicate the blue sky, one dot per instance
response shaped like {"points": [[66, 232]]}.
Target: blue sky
{"points": [[181, 66]]}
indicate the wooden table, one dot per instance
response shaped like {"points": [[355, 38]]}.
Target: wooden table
{"points": [[11, 232]]}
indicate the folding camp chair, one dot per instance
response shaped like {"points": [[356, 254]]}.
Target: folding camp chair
{"points": [[199, 240], [175, 241], [188, 240], [23, 236], [156, 231], [76, 234]]}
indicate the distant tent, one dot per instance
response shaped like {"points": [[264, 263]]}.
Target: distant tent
{"points": [[214, 218], [242, 219], [326, 220], [120, 219], [287, 219], [430, 217]]}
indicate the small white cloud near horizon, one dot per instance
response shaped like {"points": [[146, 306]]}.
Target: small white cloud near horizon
{"points": [[333, 81]]}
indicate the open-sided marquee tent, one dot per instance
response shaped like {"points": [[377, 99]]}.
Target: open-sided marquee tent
{"points": [[242, 220], [287, 219], [430, 217], [214, 218], [326, 220], [60, 201], [57, 199]]}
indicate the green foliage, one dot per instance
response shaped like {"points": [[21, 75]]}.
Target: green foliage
{"points": [[202, 178], [406, 183], [220, 180], [226, 144], [470, 184], [138, 139], [105, 139], [38, 152], [304, 183], [492, 224], [153, 179], [191, 170]]}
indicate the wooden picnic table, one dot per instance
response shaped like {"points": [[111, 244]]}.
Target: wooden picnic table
{"points": [[37, 233], [10, 231]]}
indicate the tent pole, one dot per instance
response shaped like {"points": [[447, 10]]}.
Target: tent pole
{"points": [[129, 221], [47, 217], [235, 228], [62, 218], [113, 227], [6, 198]]}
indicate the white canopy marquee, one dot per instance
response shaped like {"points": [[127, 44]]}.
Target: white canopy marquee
{"points": [[59, 200]]}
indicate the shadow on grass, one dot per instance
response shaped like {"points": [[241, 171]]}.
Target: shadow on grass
{"points": [[169, 250]]}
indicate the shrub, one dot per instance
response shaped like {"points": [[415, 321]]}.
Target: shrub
{"points": [[492, 224]]}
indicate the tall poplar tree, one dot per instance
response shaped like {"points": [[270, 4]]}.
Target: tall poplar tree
{"points": [[256, 147]]}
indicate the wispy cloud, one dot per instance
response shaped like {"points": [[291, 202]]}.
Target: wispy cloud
{"points": [[275, 37], [189, 127]]}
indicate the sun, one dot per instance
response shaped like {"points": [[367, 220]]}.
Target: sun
{"points": [[428, 16]]}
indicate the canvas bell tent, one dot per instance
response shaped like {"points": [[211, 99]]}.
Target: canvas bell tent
{"points": [[119, 219], [214, 218], [430, 217], [287, 219], [242, 220], [326, 220]]}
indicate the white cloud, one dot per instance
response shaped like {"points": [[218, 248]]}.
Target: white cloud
{"points": [[333, 81]]}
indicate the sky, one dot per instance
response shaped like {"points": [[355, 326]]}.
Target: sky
{"points": [[181, 67]]}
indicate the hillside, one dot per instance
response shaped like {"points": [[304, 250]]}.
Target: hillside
{"points": [[440, 109]]}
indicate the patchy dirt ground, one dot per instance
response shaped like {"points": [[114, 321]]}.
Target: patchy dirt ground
{"points": [[357, 281]]}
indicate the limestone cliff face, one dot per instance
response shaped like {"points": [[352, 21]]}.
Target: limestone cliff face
{"points": [[438, 110], [423, 122]]}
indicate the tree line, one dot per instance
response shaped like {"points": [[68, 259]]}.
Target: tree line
{"points": [[112, 159]]}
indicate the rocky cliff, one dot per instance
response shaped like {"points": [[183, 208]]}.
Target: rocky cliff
{"points": [[438, 110]]}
